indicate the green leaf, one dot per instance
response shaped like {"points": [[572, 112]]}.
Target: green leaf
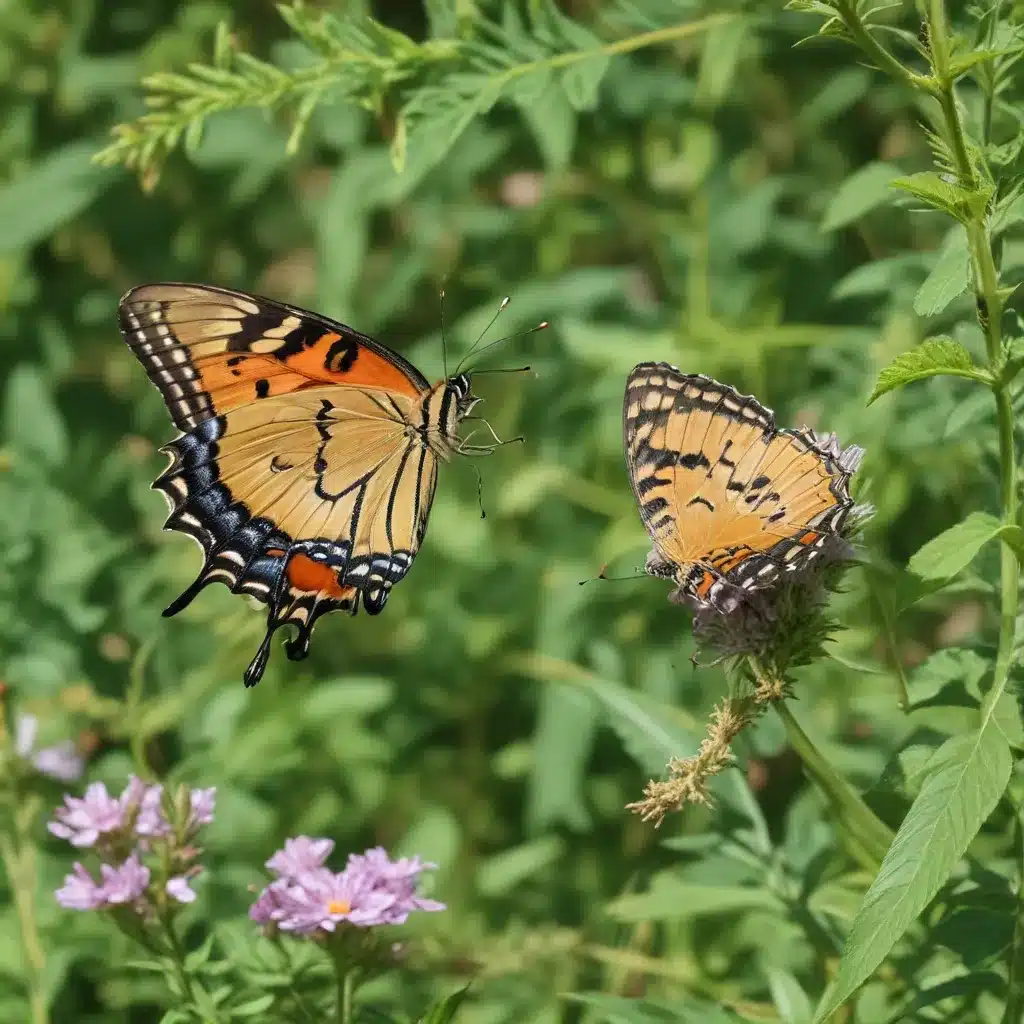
{"points": [[950, 665], [672, 900], [968, 776], [790, 999], [934, 357], [864, 190], [950, 552], [552, 121], [444, 1010], [500, 874], [939, 193], [582, 80], [253, 1008], [948, 278], [48, 194], [32, 423]]}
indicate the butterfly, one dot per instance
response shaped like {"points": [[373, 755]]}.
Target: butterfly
{"points": [[308, 457], [730, 501]]}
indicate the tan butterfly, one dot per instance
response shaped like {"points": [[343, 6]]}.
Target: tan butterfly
{"points": [[730, 500], [309, 454]]}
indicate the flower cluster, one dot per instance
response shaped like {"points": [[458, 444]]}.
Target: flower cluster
{"points": [[308, 898], [122, 830]]}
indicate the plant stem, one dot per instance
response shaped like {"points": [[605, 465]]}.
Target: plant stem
{"points": [[990, 310], [19, 862], [1014, 1011], [346, 993], [867, 836], [884, 60]]}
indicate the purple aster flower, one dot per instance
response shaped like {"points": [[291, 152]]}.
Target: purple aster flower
{"points": [[309, 899], [179, 889], [80, 891], [375, 870], [83, 820], [300, 855], [61, 761], [123, 884], [318, 900]]}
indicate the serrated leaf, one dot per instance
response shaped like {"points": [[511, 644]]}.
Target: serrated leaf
{"points": [[939, 193], [444, 1010], [950, 665], [948, 277], [934, 357], [950, 552], [862, 191], [966, 780]]}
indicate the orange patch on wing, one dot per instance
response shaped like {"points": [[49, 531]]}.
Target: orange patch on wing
{"points": [[705, 584], [365, 368], [809, 538], [316, 578]]}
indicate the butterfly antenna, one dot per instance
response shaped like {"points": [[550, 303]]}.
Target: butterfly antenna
{"points": [[543, 325], [603, 575], [444, 344], [501, 308]]}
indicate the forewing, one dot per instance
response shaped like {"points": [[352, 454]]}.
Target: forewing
{"points": [[309, 502], [210, 350], [720, 489]]}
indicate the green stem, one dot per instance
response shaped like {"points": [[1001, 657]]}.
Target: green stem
{"points": [[346, 993], [989, 304], [867, 836], [19, 863], [884, 60], [1014, 1011]]}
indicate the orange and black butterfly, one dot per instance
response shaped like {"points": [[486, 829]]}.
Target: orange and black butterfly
{"points": [[730, 501], [308, 457]]}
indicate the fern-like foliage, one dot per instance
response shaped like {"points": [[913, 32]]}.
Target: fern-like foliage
{"points": [[427, 92]]}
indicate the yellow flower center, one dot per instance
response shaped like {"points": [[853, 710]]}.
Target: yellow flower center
{"points": [[339, 907]]}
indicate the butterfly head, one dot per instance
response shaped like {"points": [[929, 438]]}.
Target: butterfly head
{"points": [[460, 387]]}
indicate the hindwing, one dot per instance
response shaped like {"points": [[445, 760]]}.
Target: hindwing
{"points": [[308, 502], [729, 500]]}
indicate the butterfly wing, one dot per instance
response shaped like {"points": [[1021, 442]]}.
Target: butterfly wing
{"points": [[307, 496], [210, 350], [729, 500], [308, 502]]}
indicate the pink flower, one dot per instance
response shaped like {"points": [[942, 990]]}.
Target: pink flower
{"points": [[309, 899], [300, 855], [81, 821], [179, 889], [123, 884]]}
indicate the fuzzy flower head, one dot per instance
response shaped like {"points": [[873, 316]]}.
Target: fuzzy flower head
{"points": [[309, 899]]}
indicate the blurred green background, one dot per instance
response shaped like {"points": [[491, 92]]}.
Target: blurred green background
{"points": [[497, 716]]}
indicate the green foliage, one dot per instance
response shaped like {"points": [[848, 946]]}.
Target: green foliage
{"points": [[818, 225]]}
